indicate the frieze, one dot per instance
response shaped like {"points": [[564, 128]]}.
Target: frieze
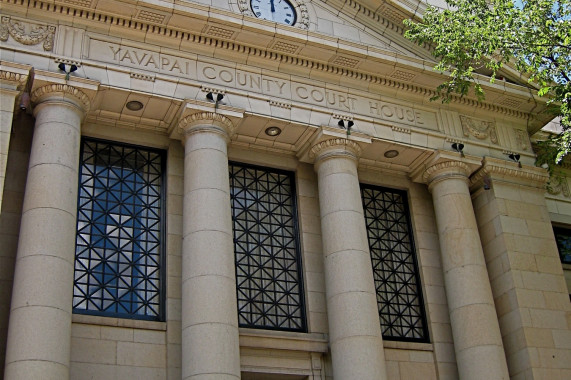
{"points": [[480, 129], [275, 87], [27, 33]]}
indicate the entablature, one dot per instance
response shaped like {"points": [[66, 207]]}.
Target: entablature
{"points": [[195, 29]]}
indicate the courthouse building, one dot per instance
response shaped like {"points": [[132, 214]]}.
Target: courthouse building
{"points": [[262, 189]]}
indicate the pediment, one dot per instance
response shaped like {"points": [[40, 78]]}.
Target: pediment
{"points": [[347, 20]]}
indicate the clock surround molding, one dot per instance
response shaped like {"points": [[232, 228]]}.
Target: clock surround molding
{"points": [[302, 13]]}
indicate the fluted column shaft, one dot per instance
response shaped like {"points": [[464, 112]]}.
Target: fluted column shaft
{"points": [[210, 339], [354, 326], [39, 332], [477, 339]]}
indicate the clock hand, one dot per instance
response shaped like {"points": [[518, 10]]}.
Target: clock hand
{"points": [[272, 8]]}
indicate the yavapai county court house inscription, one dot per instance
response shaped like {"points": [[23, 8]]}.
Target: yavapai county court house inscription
{"points": [[290, 89]]}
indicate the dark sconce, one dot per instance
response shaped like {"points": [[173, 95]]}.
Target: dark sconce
{"points": [[458, 147], [515, 158], [487, 183], [25, 101], [219, 97], [350, 124], [72, 68]]}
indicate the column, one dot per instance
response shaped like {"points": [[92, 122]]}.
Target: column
{"points": [[477, 339], [210, 345], [13, 78], [39, 332], [354, 326]]}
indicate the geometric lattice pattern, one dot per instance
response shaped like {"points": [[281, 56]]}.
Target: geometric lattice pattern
{"points": [[563, 239], [119, 226], [268, 268], [395, 270]]}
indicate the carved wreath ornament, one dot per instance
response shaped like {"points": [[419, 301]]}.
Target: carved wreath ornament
{"points": [[301, 9], [27, 33], [479, 129]]}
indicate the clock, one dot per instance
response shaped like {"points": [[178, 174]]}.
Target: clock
{"points": [[281, 11]]}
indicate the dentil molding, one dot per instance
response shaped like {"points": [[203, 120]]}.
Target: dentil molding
{"points": [[509, 171]]}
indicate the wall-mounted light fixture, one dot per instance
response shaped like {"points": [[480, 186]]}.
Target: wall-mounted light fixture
{"points": [[458, 147], [515, 158], [487, 183], [25, 100], [219, 97], [62, 67], [350, 124]]}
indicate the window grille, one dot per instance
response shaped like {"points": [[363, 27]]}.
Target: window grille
{"points": [[268, 267], [395, 270], [119, 252], [563, 239]]}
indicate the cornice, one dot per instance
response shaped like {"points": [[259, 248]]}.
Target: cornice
{"points": [[389, 17], [61, 90], [206, 121], [220, 42], [510, 172]]}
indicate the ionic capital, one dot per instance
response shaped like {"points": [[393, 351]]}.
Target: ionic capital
{"points": [[446, 169], [206, 122], [62, 92], [335, 147]]}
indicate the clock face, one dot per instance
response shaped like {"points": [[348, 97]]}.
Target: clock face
{"points": [[274, 10]]}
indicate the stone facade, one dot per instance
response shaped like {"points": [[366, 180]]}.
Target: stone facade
{"points": [[207, 82]]}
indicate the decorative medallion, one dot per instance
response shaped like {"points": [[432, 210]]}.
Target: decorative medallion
{"points": [[480, 129], [557, 186], [27, 33], [522, 139]]}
